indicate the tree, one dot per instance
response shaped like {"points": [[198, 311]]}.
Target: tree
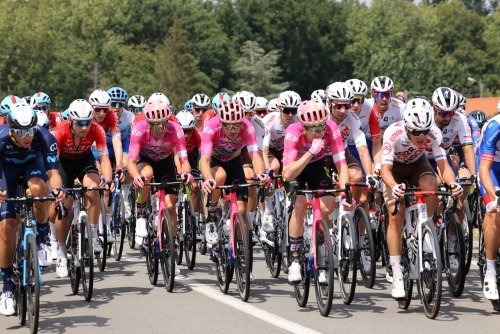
{"points": [[257, 72]]}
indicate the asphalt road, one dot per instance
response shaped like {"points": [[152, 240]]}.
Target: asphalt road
{"points": [[124, 301]]}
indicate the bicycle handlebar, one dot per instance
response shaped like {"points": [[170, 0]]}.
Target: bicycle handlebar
{"points": [[424, 194]]}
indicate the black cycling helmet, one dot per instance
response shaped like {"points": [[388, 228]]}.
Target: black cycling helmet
{"points": [[479, 115], [422, 97], [173, 110]]}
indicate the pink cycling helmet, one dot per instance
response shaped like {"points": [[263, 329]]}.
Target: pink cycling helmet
{"points": [[230, 111], [157, 111], [312, 112]]}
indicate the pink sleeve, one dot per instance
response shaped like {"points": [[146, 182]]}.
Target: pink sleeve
{"points": [[334, 140], [248, 136], [136, 138], [180, 142], [290, 151], [207, 139]]}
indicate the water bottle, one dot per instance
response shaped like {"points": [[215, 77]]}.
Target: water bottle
{"points": [[229, 256], [310, 266]]}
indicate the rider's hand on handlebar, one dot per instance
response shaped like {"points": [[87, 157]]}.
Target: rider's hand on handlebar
{"points": [[208, 186], [264, 179], [187, 178], [138, 181], [110, 185], [456, 189], [398, 192], [3, 194], [122, 174], [372, 181], [347, 206], [60, 195]]}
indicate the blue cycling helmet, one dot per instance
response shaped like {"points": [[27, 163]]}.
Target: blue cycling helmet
{"points": [[41, 97], [221, 96], [8, 102], [65, 115], [188, 105], [117, 94]]}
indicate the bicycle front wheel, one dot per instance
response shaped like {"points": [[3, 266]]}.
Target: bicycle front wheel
{"points": [[224, 266], [430, 277], [87, 260], [74, 269], [168, 251], [242, 262], [131, 221], [32, 288], [190, 236], [324, 275], [120, 227], [102, 239], [273, 255], [366, 250], [454, 253], [348, 259], [151, 258], [467, 231], [20, 292]]}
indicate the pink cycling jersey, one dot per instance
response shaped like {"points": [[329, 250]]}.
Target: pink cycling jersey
{"points": [[296, 144], [214, 144], [141, 141]]}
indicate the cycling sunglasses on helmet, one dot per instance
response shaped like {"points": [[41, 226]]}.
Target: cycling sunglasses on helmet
{"points": [[42, 108], [83, 123], [23, 132], [317, 128], [289, 111], [158, 126], [359, 100], [417, 133], [381, 95], [339, 106], [118, 104], [230, 126], [444, 113]]}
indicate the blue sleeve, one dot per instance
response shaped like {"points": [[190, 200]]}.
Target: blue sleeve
{"points": [[491, 135], [474, 129], [49, 148]]}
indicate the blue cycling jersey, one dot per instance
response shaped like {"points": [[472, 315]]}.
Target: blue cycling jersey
{"points": [[125, 125]]}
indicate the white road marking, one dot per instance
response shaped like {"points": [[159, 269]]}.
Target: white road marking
{"points": [[245, 307]]}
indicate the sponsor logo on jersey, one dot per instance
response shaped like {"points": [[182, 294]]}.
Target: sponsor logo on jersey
{"points": [[291, 137], [270, 120], [387, 149], [52, 159], [411, 152], [53, 147], [396, 134], [345, 132]]}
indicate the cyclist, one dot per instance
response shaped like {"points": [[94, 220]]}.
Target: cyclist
{"points": [[43, 104], [136, 104], [480, 117], [188, 106], [75, 138], [261, 107], [221, 96], [400, 96], [488, 163], [153, 144], [6, 104], [155, 97], [403, 158], [272, 106], [200, 103], [304, 161], [223, 139], [389, 108], [30, 151], [462, 101], [192, 137], [320, 95]]}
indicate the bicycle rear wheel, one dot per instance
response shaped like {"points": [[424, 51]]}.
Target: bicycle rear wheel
{"points": [[17, 278], [131, 221], [149, 250], [467, 231], [366, 251], [74, 269], [102, 239], [429, 277], [190, 236], [274, 257], [224, 269], [242, 262], [325, 270], [119, 229], [348, 260], [168, 251], [383, 239], [87, 260], [456, 278], [32, 288], [302, 289], [404, 303]]}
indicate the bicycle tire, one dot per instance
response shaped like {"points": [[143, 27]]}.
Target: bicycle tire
{"points": [[455, 282], [20, 292], [481, 262], [102, 238], [168, 252], [223, 270], [87, 261], [131, 221], [468, 236], [190, 237], [242, 261], [430, 279], [348, 261], [274, 255], [367, 249], [74, 270], [120, 226], [32, 285], [383, 239], [323, 238], [404, 303], [302, 289], [149, 250], [179, 252]]}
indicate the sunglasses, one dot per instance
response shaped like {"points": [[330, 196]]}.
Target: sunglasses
{"points": [[417, 133], [23, 132], [188, 131], [43, 108], [83, 123], [443, 113], [230, 126], [136, 110], [249, 114], [118, 104], [158, 126], [340, 106], [381, 95], [199, 109], [315, 128], [261, 112], [100, 110], [359, 100], [289, 111]]}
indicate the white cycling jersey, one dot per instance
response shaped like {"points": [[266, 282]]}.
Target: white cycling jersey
{"points": [[398, 147], [393, 114], [274, 136], [260, 130], [351, 127], [458, 127], [368, 116]]}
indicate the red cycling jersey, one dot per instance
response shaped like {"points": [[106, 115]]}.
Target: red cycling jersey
{"points": [[54, 119], [141, 117], [66, 142], [210, 113], [193, 141], [111, 123]]}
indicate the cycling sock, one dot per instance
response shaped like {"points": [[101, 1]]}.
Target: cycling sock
{"points": [[53, 235], [490, 269], [295, 245], [396, 267], [269, 203], [108, 222], [62, 252], [94, 231], [41, 236], [8, 285]]}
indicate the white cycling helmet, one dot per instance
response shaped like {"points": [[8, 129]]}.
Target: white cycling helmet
{"points": [[418, 115], [186, 119], [100, 98], [340, 91], [201, 100], [445, 99], [247, 100], [358, 86], [31, 102], [319, 95], [137, 101], [21, 116], [159, 97], [43, 120], [289, 99], [272, 105], [382, 84], [80, 110], [261, 103]]}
